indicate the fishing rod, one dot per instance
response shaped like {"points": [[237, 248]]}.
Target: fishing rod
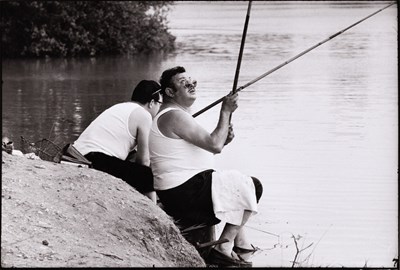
{"points": [[290, 60], [246, 23], [241, 48]]}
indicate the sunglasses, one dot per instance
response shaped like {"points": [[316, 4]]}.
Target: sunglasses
{"points": [[156, 92], [189, 85]]}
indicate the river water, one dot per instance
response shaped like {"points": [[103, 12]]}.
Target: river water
{"points": [[320, 133]]}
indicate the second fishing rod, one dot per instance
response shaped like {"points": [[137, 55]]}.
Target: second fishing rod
{"points": [[246, 24], [290, 60]]}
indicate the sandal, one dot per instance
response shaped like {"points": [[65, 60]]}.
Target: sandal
{"points": [[240, 250], [217, 258]]}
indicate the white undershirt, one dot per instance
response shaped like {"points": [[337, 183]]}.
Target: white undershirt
{"points": [[109, 132], [174, 161]]}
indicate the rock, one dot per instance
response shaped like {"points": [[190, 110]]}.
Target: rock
{"points": [[80, 215]]}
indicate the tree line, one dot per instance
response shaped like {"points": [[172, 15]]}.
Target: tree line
{"points": [[83, 28]]}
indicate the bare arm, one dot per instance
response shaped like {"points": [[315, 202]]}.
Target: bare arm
{"points": [[231, 134], [140, 124], [181, 125]]}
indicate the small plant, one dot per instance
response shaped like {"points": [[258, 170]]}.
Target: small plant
{"points": [[298, 251], [299, 244]]}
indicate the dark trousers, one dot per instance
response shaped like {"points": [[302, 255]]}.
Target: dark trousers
{"points": [[191, 201], [138, 176]]}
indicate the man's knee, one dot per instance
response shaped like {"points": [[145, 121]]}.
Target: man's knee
{"points": [[146, 172], [139, 171], [259, 188], [145, 175]]}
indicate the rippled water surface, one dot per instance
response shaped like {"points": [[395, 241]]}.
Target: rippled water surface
{"points": [[321, 133]]}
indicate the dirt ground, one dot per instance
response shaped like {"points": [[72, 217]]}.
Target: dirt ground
{"points": [[58, 215]]}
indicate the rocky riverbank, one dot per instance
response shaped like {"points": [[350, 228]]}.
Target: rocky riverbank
{"points": [[58, 215]]}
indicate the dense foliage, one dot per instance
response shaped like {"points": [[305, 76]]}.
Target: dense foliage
{"points": [[83, 28]]}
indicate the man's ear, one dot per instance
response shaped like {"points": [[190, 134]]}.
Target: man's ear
{"points": [[169, 92], [150, 104]]}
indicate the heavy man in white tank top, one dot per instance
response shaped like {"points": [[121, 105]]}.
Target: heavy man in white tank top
{"points": [[120, 129], [188, 185]]}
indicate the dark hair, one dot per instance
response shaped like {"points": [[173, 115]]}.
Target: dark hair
{"points": [[167, 75], [145, 91]]}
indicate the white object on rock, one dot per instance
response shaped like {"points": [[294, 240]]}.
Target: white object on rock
{"points": [[17, 153], [31, 156]]}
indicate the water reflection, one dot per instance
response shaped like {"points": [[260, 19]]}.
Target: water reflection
{"points": [[58, 98]]}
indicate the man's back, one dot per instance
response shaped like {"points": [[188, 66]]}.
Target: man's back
{"points": [[109, 132]]}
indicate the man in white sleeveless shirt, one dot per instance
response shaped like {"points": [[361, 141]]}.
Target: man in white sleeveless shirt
{"points": [[189, 187], [116, 132]]}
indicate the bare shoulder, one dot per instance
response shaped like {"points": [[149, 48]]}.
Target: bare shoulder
{"points": [[173, 121], [139, 119], [175, 117], [140, 115]]}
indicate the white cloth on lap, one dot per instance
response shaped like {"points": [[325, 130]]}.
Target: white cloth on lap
{"points": [[232, 192]]}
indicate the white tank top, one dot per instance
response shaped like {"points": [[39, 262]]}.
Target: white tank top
{"points": [[109, 132], [174, 161]]}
